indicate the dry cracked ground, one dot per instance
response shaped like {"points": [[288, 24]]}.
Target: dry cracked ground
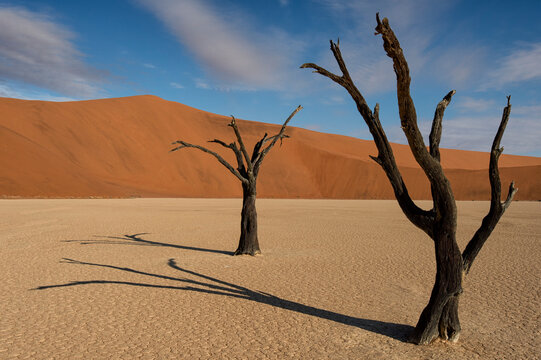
{"points": [[155, 279]]}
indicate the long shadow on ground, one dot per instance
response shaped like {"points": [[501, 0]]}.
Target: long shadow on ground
{"points": [[219, 287], [136, 239]]}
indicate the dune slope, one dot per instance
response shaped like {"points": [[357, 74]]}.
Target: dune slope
{"points": [[119, 148]]}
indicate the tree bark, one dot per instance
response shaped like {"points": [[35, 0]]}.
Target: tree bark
{"points": [[440, 316], [248, 242]]}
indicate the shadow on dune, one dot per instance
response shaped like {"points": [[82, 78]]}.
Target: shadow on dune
{"points": [[136, 239], [211, 285]]}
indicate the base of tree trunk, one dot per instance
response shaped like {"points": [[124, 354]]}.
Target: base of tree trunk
{"points": [[247, 252], [438, 322], [248, 242]]}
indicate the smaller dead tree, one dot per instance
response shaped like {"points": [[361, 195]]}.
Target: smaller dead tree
{"points": [[247, 171]]}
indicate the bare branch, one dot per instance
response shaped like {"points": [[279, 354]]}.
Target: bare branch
{"points": [[240, 161], [235, 150], [406, 107], [218, 157], [257, 147], [233, 124], [318, 69], [419, 217], [444, 201], [335, 48], [283, 136], [376, 159], [221, 143], [274, 138], [435, 132], [510, 195], [497, 208], [344, 80]]}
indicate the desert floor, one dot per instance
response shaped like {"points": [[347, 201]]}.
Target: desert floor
{"points": [[155, 279]]}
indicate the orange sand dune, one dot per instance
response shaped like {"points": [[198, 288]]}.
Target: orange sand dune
{"points": [[119, 148]]}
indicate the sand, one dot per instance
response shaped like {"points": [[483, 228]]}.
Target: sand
{"points": [[120, 148], [339, 279]]}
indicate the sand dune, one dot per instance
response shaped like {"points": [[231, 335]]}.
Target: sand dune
{"points": [[119, 148], [337, 280]]}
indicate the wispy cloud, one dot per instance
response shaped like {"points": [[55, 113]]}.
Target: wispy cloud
{"points": [[533, 111], [284, 2], [476, 132], [202, 84], [363, 52], [459, 66], [404, 14], [36, 50], [469, 104], [520, 65], [176, 85], [235, 53], [149, 66], [7, 91], [436, 51], [334, 100]]}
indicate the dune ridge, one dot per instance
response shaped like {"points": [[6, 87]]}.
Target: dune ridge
{"points": [[119, 148]]}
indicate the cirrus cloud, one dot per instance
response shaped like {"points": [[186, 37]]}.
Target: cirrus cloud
{"points": [[37, 51], [520, 65], [235, 54]]}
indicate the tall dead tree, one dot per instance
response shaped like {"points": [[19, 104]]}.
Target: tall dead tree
{"points": [[247, 171], [440, 316]]}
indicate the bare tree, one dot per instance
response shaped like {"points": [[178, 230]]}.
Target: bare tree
{"points": [[440, 316], [247, 171]]}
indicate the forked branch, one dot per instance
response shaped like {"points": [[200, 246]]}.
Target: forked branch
{"points": [[421, 218], [257, 147], [245, 173], [497, 207], [233, 124], [406, 107], [259, 157], [236, 151], [184, 144]]}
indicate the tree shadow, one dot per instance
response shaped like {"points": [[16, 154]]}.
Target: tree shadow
{"points": [[216, 286], [136, 239]]}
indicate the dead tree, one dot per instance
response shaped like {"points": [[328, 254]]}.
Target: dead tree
{"points": [[440, 316], [247, 171]]}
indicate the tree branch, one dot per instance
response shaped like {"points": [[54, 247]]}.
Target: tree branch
{"points": [[443, 198], [344, 80], [233, 124], [318, 69], [419, 217], [435, 132], [257, 147], [240, 161], [235, 150], [497, 208], [274, 138], [406, 107], [221, 143], [218, 157]]}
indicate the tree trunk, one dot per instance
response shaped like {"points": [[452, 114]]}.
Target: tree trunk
{"points": [[440, 316], [248, 243]]}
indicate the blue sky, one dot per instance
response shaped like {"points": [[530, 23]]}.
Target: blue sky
{"points": [[243, 58]]}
